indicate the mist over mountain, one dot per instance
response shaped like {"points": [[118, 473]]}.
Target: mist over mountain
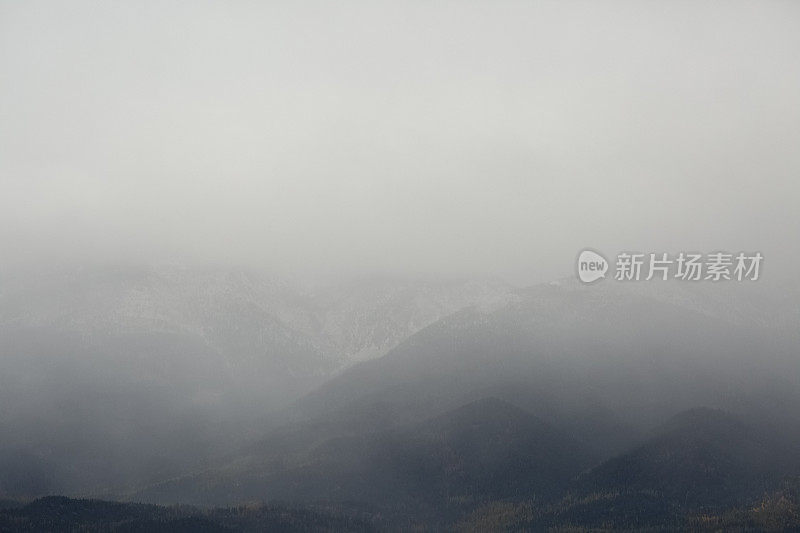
{"points": [[586, 375], [231, 324], [641, 354], [214, 387], [399, 266], [100, 366]]}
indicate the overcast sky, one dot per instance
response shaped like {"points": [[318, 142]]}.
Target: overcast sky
{"points": [[463, 138]]}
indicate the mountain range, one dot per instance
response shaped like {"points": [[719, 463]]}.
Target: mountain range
{"points": [[421, 404]]}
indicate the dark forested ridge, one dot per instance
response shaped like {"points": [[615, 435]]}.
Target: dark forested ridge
{"points": [[776, 510], [702, 457], [64, 514]]}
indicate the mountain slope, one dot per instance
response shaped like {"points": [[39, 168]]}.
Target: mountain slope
{"points": [[701, 457], [603, 362], [704, 469], [481, 451], [100, 367]]}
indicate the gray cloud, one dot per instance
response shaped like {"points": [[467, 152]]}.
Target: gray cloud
{"points": [[449, 138]]}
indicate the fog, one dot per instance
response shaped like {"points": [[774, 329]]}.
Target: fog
{"points": [[325, 252], [456, 139]]}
